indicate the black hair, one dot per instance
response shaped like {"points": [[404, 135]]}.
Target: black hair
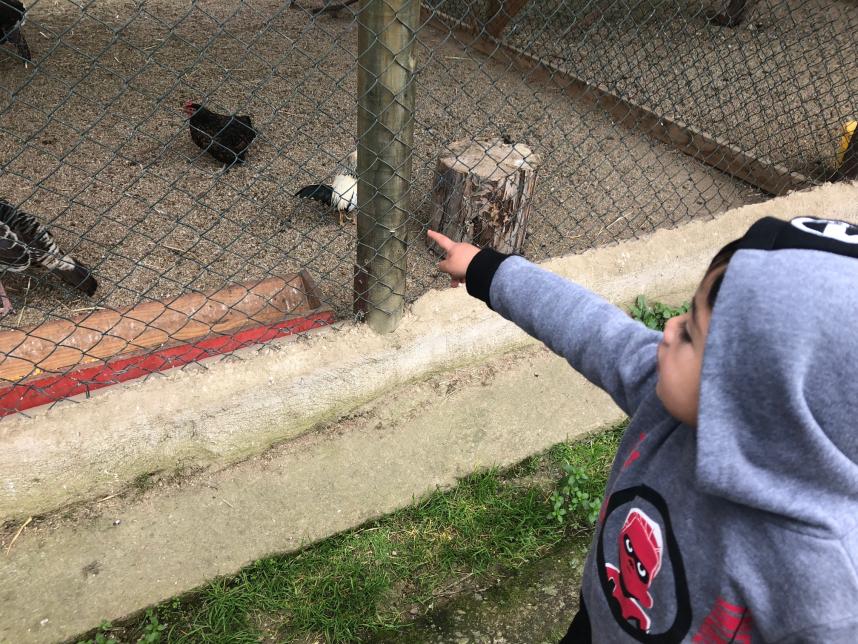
{"points": [[721, 259]]}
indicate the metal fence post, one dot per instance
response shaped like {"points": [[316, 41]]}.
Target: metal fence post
{"points": [[386, 64]]}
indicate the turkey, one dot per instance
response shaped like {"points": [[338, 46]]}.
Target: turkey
{"points": [[341, 193], [25, 243]]}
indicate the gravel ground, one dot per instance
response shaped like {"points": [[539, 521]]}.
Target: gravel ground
{"points": [[93, 141], [780, 85]]}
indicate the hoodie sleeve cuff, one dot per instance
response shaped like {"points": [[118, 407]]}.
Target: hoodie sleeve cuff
{"points": [[481, 271]]}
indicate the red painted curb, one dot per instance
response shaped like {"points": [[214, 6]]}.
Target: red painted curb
{"points": [[52, 388]]}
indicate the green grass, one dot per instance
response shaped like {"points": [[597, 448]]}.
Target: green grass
{"points": [[365, 582], [655, 314]]}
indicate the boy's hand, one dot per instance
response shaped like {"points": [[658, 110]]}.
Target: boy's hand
{"points": [[459, 256]]}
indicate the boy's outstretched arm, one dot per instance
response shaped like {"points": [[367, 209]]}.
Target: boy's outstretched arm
{"points": [[598, 339]]}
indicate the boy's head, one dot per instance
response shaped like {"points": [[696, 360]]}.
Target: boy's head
{"points": [[680, 354]]}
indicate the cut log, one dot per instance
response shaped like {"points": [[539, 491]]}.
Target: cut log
{"points": [[483, 193]]}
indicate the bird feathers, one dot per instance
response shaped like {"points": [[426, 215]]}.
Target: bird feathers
{"points": [[344, 193], [224, 137], [12, 14], [317, 191], [25, 243], [341, 193]]}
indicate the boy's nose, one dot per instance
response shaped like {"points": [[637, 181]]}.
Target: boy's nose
{"points": [[670, 327]]}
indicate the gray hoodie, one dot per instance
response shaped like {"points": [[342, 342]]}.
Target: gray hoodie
{"points": [[746, 528]]}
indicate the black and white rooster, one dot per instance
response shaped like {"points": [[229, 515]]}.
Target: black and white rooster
{"points": [[25, 244], [12, 14], [341, 193]]}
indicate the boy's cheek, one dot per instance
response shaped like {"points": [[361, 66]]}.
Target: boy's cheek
{"points": [[659, 390], [674, 399]]}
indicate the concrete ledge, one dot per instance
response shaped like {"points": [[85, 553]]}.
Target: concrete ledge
{"points": [[65, 574], [236, 408]]}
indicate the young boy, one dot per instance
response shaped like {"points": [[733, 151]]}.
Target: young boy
{"points": [[731, 511]]}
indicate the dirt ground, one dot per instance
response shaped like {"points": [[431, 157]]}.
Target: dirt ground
{"points": [[93, 140]]}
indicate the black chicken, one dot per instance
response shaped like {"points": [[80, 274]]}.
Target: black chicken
{"points": [[224, 137], [25, 243], [11, 18]]}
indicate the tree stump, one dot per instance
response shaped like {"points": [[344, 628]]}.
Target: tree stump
{"points": [[483, 193]]}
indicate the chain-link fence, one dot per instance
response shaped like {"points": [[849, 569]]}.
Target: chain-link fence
{"points": [[641, 114]]}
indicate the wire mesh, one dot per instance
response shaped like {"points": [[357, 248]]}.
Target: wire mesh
{"points": [[95, 143]]}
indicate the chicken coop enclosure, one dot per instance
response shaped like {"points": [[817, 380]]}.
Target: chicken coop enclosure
{"points": [[643, 115]]}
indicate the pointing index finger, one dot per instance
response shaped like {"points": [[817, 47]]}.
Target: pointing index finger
{"points": [[442, 240]]}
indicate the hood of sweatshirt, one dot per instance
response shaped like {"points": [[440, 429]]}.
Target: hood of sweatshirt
{"points": [[778, 415]]}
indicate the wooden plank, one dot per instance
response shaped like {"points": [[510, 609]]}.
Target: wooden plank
{"points": [[772, 178], [59, 345], [41, 390], [500, 14]]}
